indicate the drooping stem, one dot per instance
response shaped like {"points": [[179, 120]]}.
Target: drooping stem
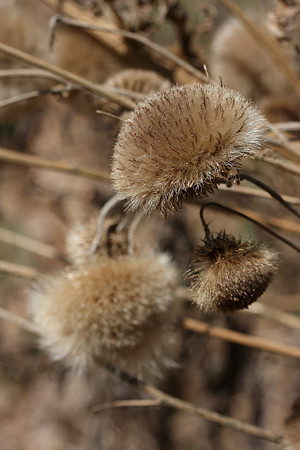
{"points": [[100, 222], [244, 216], [272, 192]]}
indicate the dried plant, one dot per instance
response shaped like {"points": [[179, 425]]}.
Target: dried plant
{"points": [[120, 311], [228, 274], [181, 143]]}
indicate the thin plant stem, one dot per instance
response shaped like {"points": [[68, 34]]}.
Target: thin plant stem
{"points": [[125, 404], [264, 39], [287, 126], [244, 216], [14, 157], [283, 146], [272, 192], [190, 408], [66, 75], [245, 190], [34, 94], [160, 396], [18, 321], [18, 270], [132, 229], [28, 244], [29, 73], [109, 205], [242, 339], [286, 165], [137, 38]]}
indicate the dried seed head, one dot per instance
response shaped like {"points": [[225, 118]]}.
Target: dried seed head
{"points": [[80, 237], [119, 311], [228, 274], [181, 143], [292, 428]]}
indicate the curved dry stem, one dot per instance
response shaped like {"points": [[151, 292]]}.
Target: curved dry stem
{"points": [[109, 205], [137, 38], [244, 216], [66, 75], [272, 192]]}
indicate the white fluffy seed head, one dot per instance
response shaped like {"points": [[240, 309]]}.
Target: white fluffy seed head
{"points": [[181, 143], [228, 274], [120, 311]]}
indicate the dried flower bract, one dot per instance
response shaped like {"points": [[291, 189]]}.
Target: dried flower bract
{"points": [[120, 311], [181, 143], [228, 274]]}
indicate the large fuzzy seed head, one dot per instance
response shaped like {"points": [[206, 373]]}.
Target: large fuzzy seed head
{"points": [[228, 274], [119, 311], [181, 143]]}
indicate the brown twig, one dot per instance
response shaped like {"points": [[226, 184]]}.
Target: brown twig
{"points": [[18, 270], [264, 38], [141, 40], [125, 404], [241, 338], [161, 397], [66, 75], [61, 166], [229, 422], [34, 94]]}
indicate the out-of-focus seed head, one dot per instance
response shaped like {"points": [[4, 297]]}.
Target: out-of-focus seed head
{"points": [[80, 237], [292, 428], [145, 82], [120, 311], [181, 143], [228, 274]]}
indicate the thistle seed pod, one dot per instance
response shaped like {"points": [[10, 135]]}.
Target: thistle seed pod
{"points": [[120, 311], [181, 143], [81, 235], [145, 82], [228, 274]]}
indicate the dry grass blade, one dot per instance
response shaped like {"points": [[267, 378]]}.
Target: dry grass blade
{"points": [[287, 166], [274, 314], [245, 190], [34, 94], [61, 166], [125, 404], [18, 321]]}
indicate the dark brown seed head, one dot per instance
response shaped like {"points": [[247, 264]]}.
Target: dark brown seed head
{"points": [[181, 143], [228, 274]]}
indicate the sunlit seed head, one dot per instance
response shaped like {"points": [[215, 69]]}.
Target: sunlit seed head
{"points": [[120, 311], [228, 274], [181, 143]]}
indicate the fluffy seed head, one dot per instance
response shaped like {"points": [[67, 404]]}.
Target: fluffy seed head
{"points": [[228, 274], [114, 310], [181, 143], [80, 237], [140, 81]]}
